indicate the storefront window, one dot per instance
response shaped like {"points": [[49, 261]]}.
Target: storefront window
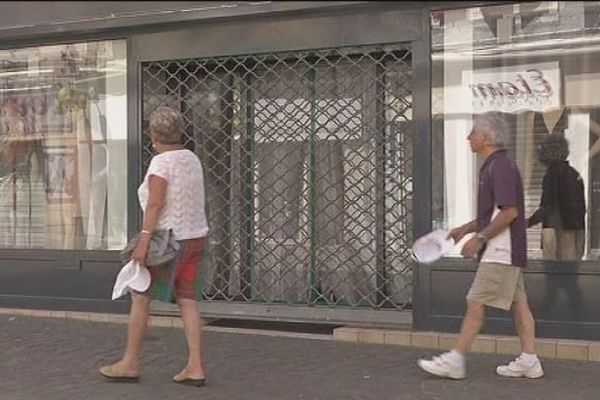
{"points": [[63, 150], [538, 63]]}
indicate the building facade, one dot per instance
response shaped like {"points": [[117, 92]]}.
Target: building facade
{"points": [[331, 133]]}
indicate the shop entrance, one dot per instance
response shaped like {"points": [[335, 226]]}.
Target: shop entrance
{"points": [[307, 158]]}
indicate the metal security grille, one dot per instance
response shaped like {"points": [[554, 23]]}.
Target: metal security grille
{"points": [[308, 171]]}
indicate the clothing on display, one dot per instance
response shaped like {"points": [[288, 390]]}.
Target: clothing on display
{"points": [[22, 213], [55, 144], [98, 176], [563, 199], [53, 171], [594, 189], [83, 167], [562, 206], [562, 213], [22, 202]]}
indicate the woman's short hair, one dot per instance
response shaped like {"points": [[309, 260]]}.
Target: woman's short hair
{"points": [[555, 147], [166, 125], [494, 124]]}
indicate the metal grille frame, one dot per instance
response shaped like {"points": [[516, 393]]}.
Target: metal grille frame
{"points": [[307, 158]]}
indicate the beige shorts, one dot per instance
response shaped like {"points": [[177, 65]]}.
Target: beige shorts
{"points": [[497, 285]]}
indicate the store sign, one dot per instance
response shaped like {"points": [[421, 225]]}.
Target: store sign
{"points": [[534, 87]]}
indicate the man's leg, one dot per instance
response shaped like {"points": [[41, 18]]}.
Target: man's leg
{"points": [[524, 325], [488, 289], [452, 363], [471, 325], [527, 365]]}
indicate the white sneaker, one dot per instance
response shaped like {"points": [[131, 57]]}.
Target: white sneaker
{"points": [[445, 366], [519, 369]]}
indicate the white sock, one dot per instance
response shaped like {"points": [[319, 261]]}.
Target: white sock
{"points": [[456, 356], [529, 359]]}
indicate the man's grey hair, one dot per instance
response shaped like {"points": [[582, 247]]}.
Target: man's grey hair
{"points": [[166, 124], [494, 124]]}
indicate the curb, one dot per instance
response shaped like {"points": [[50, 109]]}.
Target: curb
{"points": [[155, 321], [564, 349]]}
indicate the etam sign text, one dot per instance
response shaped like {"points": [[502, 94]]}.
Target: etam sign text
{"points": [[533, 87]]}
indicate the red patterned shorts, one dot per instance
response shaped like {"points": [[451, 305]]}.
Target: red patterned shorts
{"points": [[178, 280]]}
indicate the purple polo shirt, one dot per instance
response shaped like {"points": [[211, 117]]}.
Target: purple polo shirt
{"points": [[500, 185]]}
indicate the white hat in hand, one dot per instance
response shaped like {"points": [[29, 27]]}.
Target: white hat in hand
{"points": [[132, 276], [431, 247]]}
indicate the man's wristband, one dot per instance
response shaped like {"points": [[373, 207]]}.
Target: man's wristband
{"points": [[145, 232]]}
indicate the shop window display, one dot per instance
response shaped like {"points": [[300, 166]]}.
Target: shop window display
{"points": [[63, 163], [538, 64]]}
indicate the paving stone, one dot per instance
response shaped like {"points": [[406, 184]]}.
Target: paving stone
{"points": [[58, 359]]}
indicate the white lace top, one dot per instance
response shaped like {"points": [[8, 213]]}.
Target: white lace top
{"points": [[184, 207]]}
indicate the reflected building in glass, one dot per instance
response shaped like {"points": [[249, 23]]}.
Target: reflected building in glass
{"points": [[63, 131]]}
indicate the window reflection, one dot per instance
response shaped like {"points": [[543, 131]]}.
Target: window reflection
{"points": [[539, 64], [562, 207], [59, 189]]}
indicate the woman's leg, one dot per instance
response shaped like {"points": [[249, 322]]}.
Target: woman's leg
{"points": [[138, 321], [192, 325]]}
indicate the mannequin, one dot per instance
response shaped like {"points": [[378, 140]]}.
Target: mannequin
{"points": [[562, 209], [23, 200], [84, 178], [60, 172], [551, 121], [99, 173], [594, 190], [552, 117], [537, 126], [557, 121], [595, 129]]}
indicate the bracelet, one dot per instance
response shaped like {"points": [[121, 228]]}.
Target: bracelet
{"points": [[481, 238], [146, 232]]}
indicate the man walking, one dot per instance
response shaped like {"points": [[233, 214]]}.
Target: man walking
{"points": [[500, 246]]}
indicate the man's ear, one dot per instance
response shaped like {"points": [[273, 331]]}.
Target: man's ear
{"points": [[487, 141]]}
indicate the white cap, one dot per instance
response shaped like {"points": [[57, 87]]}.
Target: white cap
{"points": [[431, 247], [131, 277]]}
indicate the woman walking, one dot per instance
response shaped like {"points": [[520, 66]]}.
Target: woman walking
{"points": [[172, 197]]}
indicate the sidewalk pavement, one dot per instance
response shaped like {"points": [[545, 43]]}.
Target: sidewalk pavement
{"points": [[56, 358]]}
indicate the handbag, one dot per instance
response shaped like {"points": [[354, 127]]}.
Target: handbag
{"points": [[162, 249]]}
